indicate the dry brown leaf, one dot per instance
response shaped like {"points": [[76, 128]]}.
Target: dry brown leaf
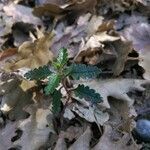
{"points": [[122, 86], [33, 54], [98, 32], [140, 36], [106, 142]]}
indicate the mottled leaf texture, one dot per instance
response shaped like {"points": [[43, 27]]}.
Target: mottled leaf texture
{"points": [[56, 103], [88, 94], [53, 83], [61, 59], [84, 71], [38, 73]]}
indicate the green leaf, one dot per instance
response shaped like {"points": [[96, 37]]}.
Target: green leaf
{"points": [[84, 71], [38, 73], [53, 83], [88, 94], [67, 70], [56, 102], [61, 59]]}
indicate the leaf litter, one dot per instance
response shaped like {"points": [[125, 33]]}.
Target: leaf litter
{"points": [[112, 35]]}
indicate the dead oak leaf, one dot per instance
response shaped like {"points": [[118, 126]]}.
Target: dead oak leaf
{"points": [[33, 54]]}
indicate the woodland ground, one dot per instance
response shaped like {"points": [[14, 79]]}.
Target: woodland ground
{"points": [[113, 35]]}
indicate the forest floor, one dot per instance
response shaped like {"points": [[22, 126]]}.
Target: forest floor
{"points": [[107, 43]]}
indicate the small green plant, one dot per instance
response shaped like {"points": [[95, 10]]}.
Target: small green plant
{"points": [[60, 72]]}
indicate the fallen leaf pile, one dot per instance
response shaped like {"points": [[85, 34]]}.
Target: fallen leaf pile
{"points": [[113, 35]]}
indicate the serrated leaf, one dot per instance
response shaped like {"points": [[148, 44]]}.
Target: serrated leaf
{"points": [[38, 73], [84, 71], [61, 59], [88, 94], [56, 103], [53, 83], [67, 70]]}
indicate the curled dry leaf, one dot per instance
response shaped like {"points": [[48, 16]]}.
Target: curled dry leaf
{"points": [[106, 88], [140, 36], [98, 32], [33, 54]]}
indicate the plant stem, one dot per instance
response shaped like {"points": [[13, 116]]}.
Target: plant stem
{"points": [[67, 101]]}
